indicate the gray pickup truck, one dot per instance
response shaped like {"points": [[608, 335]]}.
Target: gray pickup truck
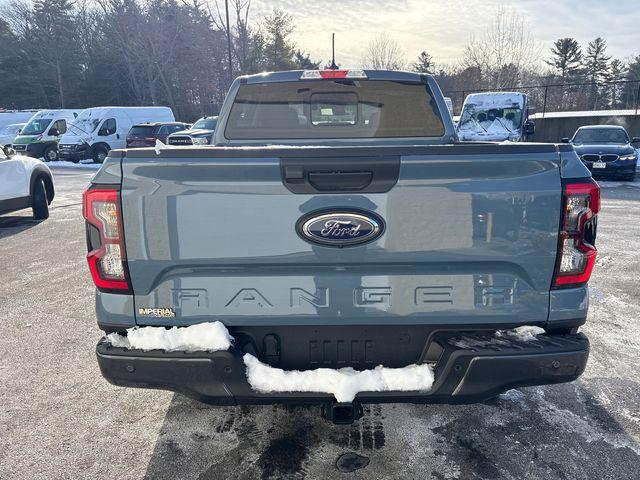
{"points": [[337, 222]]}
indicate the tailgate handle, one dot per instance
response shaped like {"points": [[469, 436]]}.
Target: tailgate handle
{"points": [[341, 172], [335, 181]]}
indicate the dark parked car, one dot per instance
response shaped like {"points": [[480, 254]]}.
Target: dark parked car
{"points": [[200, 133], [606, 150], [146, 134]]}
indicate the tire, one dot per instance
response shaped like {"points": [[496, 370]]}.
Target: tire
{"points": [[100, 153], [50, 154], [39, 201]]}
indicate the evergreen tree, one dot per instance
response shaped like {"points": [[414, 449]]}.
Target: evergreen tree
{"points": [[596, 62], [52, 41], [425, 63], [303, 61], [617, 71], [596, 67], [279, 50], [632, 90], [566, 57]]}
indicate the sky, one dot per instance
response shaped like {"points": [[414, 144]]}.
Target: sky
{"points": [[443, 28]]}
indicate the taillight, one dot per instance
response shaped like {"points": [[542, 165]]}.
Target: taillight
{"points": [[331, 74], [577, 251], [106, 257]]}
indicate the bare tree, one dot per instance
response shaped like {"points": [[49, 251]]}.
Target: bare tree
{"points": [[384, 53], [505, 50]]}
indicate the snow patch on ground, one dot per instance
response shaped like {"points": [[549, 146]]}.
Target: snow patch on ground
{"points": [[513, 395], [596, 295], [344, 384], [84, 164], [210, 336]]}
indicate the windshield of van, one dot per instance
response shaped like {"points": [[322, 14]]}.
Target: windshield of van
{"points": [[36, 126], [482, 117], [205, 124], [325, 109], [601, 135], [85, 125]]}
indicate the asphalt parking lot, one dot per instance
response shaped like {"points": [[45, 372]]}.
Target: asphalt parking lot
{"points": [[60, 419]]}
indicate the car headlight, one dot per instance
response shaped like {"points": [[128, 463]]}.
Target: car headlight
{"points": [[631, 156], [200, 140]]}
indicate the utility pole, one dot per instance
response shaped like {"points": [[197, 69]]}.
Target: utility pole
{"points": [[226, 7]]}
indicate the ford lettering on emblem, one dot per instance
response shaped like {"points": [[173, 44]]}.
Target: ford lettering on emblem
{"points": [[340, 228]]}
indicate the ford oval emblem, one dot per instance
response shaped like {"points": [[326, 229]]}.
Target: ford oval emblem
{"points": [[340, 228]]}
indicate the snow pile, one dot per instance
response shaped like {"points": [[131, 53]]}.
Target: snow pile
{"points": [[525, 333], [82, 164], [344, 384], [161, 146], [211, 336]]}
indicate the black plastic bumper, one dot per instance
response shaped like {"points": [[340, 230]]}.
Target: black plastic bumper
{"points": [[73, 155], [462, 375]]}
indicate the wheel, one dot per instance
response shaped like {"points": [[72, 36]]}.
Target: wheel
{"points": [[99, 154], [51, 154], [39, 202]]}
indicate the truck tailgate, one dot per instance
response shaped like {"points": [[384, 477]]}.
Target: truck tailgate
{"points": [[471, 234]]}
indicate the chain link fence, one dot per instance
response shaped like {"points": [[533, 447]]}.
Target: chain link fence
{"points": [[564, 97]]}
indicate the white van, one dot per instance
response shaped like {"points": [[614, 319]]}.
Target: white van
{"points": [[40, 136], [494, 117], [10, 117], [8, 134], [100, 129]]}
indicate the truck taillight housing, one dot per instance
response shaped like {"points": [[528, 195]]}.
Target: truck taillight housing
{"points": [[576, 250], [106, 257]]}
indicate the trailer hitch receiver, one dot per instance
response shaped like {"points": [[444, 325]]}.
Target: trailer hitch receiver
{"points": [[342, 413]]}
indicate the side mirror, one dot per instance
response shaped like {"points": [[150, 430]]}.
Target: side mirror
{"points": [[53, 132], [9, 152], [529, 127], [635, 140], [565, 140]]}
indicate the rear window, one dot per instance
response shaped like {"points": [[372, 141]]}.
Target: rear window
{"points": [[142, 131], [333, 109]]}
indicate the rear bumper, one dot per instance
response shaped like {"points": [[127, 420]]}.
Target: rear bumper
{"points": [[462, 375]]}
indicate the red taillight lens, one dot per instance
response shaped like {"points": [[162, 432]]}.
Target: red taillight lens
{"points": [[577, 252], [106, 257], [332, 74]]}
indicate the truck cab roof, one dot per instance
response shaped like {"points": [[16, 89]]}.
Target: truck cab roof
{"points": [[297, 75]]}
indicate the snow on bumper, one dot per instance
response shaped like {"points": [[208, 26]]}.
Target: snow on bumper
{"points": [[463, 374], [343, 384]]}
